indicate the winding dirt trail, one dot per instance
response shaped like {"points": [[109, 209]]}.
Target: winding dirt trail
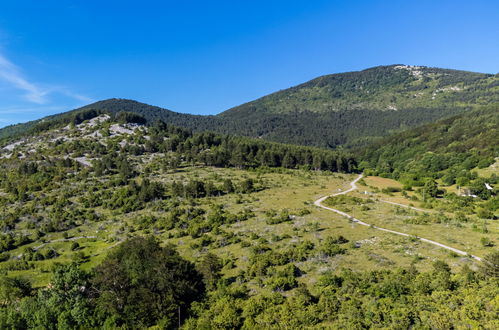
{"points": [[353, 186]]}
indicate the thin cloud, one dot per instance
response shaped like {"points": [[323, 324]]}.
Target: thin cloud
{"points": [[10, 73], [30, 110], [5, 121], [34, 93]]}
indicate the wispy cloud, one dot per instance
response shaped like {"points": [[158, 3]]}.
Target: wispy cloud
{"points": [[11, 74], [34, 93], [30, 110]]}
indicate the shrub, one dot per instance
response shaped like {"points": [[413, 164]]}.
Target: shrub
{"points": [[389, 190], [486, 242]]}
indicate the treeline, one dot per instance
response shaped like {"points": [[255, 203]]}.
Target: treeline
{"points": [[223, 150], [211, 149]]}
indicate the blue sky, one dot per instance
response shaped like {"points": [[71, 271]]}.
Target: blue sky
{"points": [[204, 57]]}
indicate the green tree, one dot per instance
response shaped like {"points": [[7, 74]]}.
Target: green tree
{"points": [[210, 266], [430, 188], [247, 186], [125, 169], [141, 283], [65, 304], [490, 265], [289, 161], [228, 186], [12, 289]]}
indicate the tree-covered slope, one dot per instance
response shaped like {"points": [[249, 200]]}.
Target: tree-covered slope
{"points": [[448, 148], [355, 107], [114, 106], [394, 87], [347, 109]]}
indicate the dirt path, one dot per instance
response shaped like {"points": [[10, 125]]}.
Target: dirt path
{"points": [[406, 206], [353, 186]]}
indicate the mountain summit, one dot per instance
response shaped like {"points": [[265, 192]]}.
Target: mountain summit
{"points": [[392, 87]]}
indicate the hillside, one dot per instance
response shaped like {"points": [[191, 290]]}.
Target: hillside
{"points": [[346, 109], [393, 87], [113, 106], [446, 149], [208, 230]]}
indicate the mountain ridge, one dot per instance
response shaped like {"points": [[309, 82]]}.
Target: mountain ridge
{"points": [[343, 109]]}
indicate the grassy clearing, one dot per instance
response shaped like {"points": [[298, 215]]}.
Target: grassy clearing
{"points": [[488, 171], [290, 190], [381, 183]]}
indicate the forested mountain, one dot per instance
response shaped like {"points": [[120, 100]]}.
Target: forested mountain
{"points": [[346, 109], [393, 87]]}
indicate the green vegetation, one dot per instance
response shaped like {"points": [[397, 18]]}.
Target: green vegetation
{"points": [[142, 284], [355, 108], [347, 109], [89, 173], [139, 284], [377, 88], [110, 218], [441, 161], [447, 149]]}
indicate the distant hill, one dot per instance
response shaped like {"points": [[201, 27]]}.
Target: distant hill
{"points": [[149, 112], [347, 109]]}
